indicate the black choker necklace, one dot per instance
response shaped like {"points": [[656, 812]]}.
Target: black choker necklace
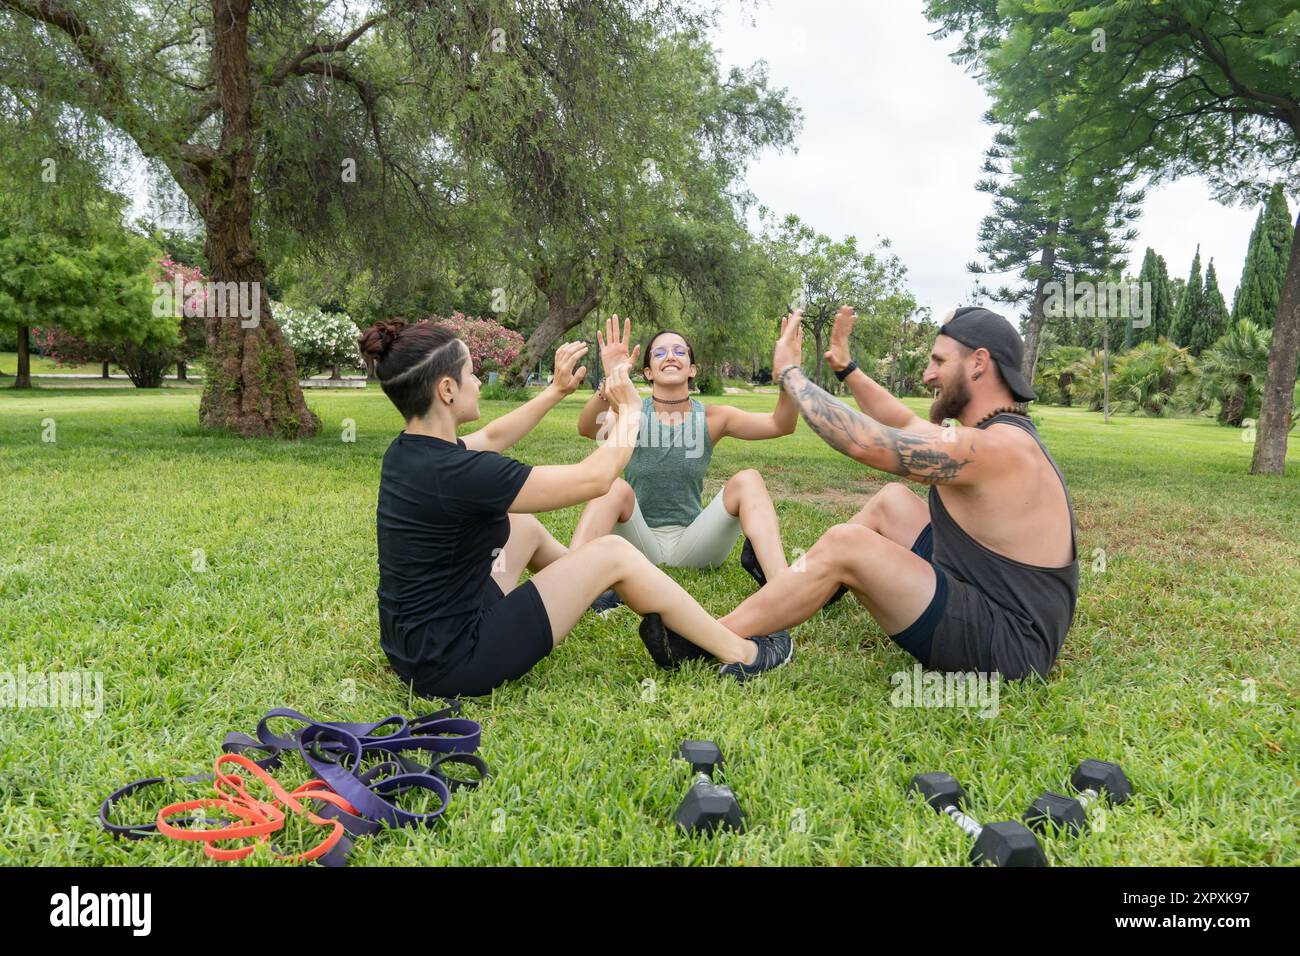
{"points": [[675, 401], [1016, 409]]}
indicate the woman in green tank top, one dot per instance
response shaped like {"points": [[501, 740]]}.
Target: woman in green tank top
{"points": [[657, 503]]}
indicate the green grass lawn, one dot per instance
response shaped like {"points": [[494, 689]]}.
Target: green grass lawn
{"points": [[1182, 665]]}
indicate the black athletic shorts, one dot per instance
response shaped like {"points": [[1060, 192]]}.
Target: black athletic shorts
{"points": [[513, 634], [962, 630], [919, 635]]}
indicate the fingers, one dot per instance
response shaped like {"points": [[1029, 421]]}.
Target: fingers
{"points": [[627, 330], [579, 375], [600, 342], [635, 352]]}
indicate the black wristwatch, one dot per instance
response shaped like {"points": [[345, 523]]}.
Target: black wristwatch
{"points": [[847, 370]]}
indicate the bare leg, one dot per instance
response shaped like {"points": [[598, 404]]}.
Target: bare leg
{"points": [[894, 584], [601, 514], [745, 497], [568, 586], [530, 546], [896, 513]]}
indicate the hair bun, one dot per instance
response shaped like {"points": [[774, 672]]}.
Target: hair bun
{"points": [[377, 340]]}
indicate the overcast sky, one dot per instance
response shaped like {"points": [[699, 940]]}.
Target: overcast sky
{"points": [[893, 141]]}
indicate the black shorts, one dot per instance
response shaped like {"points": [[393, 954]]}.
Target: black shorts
{"points": [[919, 635], [962, 630], [513, 634]]}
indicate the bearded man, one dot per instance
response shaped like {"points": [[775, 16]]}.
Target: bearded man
{"points": [[984, 576]]}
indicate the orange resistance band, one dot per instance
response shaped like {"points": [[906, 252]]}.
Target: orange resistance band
{"points": [[260, 818]]}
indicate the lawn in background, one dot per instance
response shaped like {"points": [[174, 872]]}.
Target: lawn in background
{"points": [[209, 579]]}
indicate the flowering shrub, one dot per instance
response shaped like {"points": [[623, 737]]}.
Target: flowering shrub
{"points": [[320, 340], [491, 344]]}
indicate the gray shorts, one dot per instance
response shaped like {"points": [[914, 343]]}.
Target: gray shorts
{"points": [[704, 543]]}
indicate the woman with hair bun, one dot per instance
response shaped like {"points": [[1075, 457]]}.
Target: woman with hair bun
{"points": [[456, 530]]}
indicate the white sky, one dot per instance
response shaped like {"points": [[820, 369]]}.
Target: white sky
{"points": [[893, 141]]}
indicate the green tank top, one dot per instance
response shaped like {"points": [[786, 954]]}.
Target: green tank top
{"points": [[667, 467]]}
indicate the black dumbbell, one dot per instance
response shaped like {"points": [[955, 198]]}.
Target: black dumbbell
{"points": [[707, 806], [996, 844], [1092, 780]]}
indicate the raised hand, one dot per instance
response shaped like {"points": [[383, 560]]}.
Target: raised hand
{"points": [[613, 348], [837, 356], [620, 390], [566, 357], [789, 344]]}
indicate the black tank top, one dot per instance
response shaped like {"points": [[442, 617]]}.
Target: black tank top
{"points": [[1042, 598]]}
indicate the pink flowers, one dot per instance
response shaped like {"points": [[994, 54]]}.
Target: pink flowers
{"points": [[491, 344]]}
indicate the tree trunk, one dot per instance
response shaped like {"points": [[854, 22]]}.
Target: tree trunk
{"points": [[180, 370], [1105, 371], [560, 317], [103, 372], [24, 377], [817, 344], [1269, 457], [251, 387], [1034, 331], [334, 374], [1234, 410]]}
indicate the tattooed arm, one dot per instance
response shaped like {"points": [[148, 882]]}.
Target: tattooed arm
{"points": [[927, 453]]}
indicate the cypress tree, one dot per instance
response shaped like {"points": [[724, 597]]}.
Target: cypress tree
{"points": [[1189, 308], [1212, 319], [1266, 262], [1155, 276]]}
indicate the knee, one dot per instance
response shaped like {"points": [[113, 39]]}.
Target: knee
{"points": [[747, 479], [618, 552], [743, 484], [841, 544], [884, 503], [621, 493]]}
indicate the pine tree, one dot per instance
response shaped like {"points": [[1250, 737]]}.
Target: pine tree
{"points": [[1155, 276], [1212, 319], [1266, 262], [1190, 306]]}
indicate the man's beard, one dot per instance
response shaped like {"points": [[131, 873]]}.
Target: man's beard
{"points": [[950, 402]]}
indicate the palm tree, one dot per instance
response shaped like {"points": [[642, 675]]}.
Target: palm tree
{"points": [[1147, 375], [1234, 370], [1086, 379], [1056, 372]]}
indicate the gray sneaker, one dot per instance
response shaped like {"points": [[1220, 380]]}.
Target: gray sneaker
{"points": [[773, 651]]}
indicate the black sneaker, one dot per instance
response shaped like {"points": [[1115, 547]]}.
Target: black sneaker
{"points": [[606, 602], [668, 648], [773, 651], [749, 561]]}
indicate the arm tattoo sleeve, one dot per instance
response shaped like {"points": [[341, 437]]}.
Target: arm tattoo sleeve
{"points": [[851, 433]]}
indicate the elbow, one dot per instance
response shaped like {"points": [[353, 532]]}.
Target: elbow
{"points": [[787, 428]]}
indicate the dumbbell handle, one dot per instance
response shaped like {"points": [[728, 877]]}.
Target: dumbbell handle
{"points": [[703, 777], [1087, 797], [969, 824]]}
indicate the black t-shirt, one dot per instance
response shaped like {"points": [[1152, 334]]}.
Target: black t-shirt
{"points": [[442, 519]]}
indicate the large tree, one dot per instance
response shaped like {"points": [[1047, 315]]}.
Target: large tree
{"points": [[1174, 88], [607, 147], [823, 274], [1048, 224]]}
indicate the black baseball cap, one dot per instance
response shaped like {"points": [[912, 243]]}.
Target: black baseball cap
{"points": [[978, 328]]}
